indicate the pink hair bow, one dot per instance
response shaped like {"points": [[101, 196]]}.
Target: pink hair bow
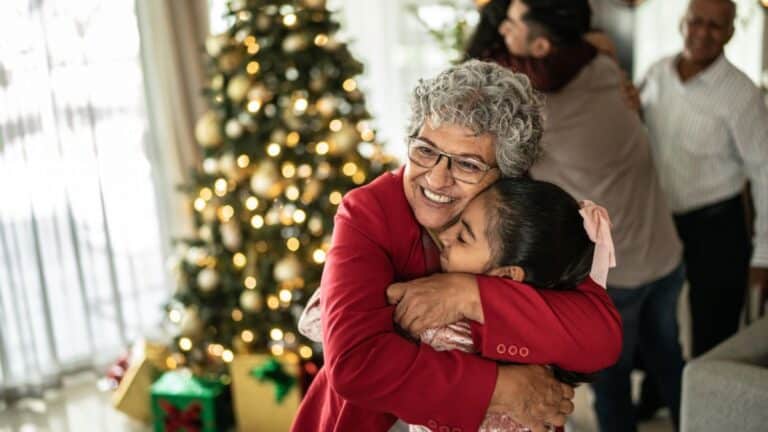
{"points": [[598, 227]]}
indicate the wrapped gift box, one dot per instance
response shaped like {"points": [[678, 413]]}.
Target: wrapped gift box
{"points": [[182, 402], [147, 362], [265, 392]]}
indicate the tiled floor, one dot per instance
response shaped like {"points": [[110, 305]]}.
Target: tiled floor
{"points": [[81, 407]]}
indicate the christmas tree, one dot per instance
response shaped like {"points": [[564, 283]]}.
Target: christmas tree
{"points": [[286, 135]]}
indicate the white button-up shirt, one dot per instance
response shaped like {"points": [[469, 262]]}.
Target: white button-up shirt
{"points": [[709, 134]]}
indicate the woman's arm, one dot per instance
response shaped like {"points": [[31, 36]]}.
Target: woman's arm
{"points": [[373, 367], [579, 330]]}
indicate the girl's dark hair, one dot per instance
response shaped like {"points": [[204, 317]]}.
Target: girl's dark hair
{"points": [[486, 42], [537, 226], [540, 229]]}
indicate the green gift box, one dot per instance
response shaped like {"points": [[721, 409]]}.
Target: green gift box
{"points": [[182, 402]]}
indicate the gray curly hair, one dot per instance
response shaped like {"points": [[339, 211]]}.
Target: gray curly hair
{"points": [[485, 98]]}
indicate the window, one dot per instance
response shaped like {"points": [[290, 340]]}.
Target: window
{"points": [[81, 267]]}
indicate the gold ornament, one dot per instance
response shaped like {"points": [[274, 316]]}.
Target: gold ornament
{"points": [[251, 301], [265, 180], [207, 130], [205, 233], [287, 268], [292, 120], [345, 139], [209, 214], [196, 256], [233, 129], [242, 34], [231, 235], [326, 105], [311, 191], [332, 44], [263, 22], [210, 166], [323, 170], [259, 93], [191, 325], [272, 217], [315, 225], [294, 42], [278, 136], [229, 166], [317, 84], [230, 60], [214, 44], [238, 87], [217, 82], [207, 280]]}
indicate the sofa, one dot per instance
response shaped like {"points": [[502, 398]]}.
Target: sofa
{"points": [[726, 389]]}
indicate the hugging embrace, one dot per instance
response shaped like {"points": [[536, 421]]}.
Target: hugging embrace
{"points": [[495, 340]]}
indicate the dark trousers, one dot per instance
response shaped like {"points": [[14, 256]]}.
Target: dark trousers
{"points": [[649, 319], [717, 254]]}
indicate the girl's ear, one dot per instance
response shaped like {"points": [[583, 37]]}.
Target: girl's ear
{"points": [[516, 273], [540, 47]]}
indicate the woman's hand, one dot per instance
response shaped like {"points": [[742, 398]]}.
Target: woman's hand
{"points": [[532, 396], [435, 301]]}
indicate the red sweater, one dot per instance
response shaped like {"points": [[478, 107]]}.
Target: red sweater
{"points": [[372, 375]]}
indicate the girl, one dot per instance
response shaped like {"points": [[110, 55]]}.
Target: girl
{"points": [[526, 230], [532, 232]]}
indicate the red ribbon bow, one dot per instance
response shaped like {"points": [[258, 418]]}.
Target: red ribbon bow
{"points": [[187, 419]]}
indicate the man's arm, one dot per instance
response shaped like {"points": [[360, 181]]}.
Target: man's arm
{"points": [[749, 128], [578, 330]]}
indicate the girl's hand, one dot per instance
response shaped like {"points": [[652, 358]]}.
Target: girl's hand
{"points": [[435, 301]]}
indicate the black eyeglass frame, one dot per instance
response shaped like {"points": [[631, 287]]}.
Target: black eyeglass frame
{"points": [[484, 167]]}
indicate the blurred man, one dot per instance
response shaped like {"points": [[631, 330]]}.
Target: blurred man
{"points": [[709, 130]]}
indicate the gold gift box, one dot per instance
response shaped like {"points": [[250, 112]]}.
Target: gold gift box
{"points": [[255, 406], [132, 396]]}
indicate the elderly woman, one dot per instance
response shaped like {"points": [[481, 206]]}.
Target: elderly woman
{"points": [[476, 122]]}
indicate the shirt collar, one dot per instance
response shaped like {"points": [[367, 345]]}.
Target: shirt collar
{"points": [[714, 72], [709, 76]]}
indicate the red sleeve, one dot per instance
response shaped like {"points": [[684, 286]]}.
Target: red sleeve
{"points": [[370, 365], [578, 330]]}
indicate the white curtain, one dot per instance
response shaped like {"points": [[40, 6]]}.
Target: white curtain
{"points": [[172, 35], [657, 34], [81, 267]]}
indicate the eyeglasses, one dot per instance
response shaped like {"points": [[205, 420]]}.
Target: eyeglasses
{"points": [[463, 168]]}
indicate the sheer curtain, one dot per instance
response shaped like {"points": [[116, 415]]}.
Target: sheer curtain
{"points": [[81, 265]]}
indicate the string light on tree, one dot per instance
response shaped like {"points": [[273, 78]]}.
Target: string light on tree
{"points": [[276, 334], [185, 344], [318, 256], [247, 336]]}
